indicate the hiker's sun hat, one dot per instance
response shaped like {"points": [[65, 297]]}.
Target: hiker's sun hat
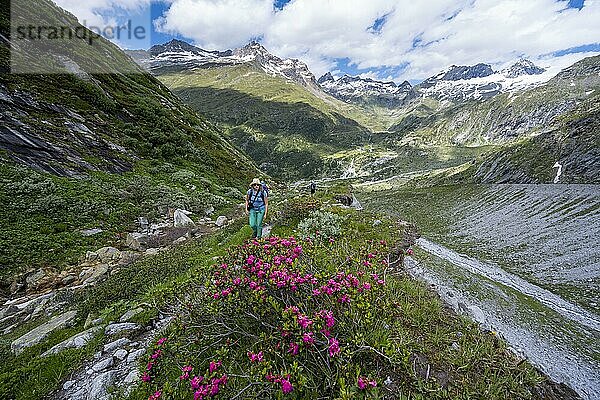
{"points": [[255, 181]]}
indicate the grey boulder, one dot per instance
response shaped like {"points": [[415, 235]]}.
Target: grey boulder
{"points": [[76, 342], [37, 335], [100, 385], [113, 329]]}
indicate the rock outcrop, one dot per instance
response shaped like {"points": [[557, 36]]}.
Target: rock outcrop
{"points": [[37, 335], [116, 365], [75, 342]]}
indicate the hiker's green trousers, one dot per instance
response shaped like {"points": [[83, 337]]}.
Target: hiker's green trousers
{"points": [[256, 222]]}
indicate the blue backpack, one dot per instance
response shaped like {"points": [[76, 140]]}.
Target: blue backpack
{"points": [[265, 188]]}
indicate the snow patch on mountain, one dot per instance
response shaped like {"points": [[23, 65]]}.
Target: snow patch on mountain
{"points": [[354, 89], [479, 82], [181, 55]]}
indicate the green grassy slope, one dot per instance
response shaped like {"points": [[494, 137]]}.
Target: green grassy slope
{"points": [[283, 126], [253, 82], [85, 151]]}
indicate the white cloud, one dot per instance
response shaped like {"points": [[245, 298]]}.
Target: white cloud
{"points": [[218, 24], [498, 32], [101, 12], [446, 31]]}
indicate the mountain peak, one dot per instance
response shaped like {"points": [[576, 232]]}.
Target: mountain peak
{"points": [[253, 49], [180, 46], [177, 42], [174, 46], [326, 78], [522, 67], [291, 69], [464, 72], [362, 90]]}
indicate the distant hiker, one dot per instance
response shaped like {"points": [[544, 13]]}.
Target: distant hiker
{"points": [[313, 188], [257, 206]]}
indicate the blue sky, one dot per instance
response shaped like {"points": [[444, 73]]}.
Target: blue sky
{"points": [[383, 39]]}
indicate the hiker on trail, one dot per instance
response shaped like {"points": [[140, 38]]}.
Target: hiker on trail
{"points": [[257, 206], [313, 188]]}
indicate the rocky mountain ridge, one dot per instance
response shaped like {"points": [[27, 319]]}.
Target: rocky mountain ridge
{"points": [[480, 82], [454, 84], [366, 91], [180, 55]]}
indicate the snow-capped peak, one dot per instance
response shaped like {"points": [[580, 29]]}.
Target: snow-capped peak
{"points": [[356, 89], [289, 68], [176, 46], [480, 81], [522, 67], [182, 55], [251, 51]]}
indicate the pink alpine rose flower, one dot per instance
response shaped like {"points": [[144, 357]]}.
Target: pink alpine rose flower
{"points": [[195, 382], [362, 383], [155, 396], [255, 357], [308, 338], [286, 386], [146, 377], [334, 347], [213, 366], [293, 350]]}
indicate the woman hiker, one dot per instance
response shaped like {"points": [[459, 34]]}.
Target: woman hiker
{"points": [[257, 206]]}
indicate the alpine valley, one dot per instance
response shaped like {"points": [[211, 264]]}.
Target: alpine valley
{"points": [[465, 123], [448, 250]]}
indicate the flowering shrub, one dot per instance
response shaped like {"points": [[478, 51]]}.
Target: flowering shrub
{"points": [[289, 318], [295, 209], [280, 320], [198, 387], [319, 225]]}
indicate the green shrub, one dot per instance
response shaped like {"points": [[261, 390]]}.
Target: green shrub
{"points": [[293, 210], [320, 225], [183, 176]]}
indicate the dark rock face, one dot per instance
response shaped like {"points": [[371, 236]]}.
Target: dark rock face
{"points": [[344, 199], [549, 390], [60, 144], [523, 67], [326, 78], [462, 72], [575, 145]]}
